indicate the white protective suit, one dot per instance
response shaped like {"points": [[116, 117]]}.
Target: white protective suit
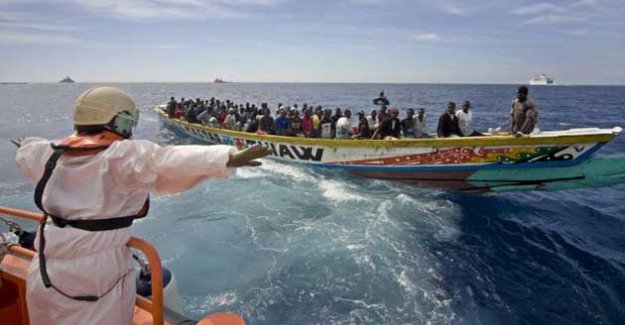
{"points": [[111, 183]]}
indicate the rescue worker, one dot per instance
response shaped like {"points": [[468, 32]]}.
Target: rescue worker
{"points": [[92, 185]]}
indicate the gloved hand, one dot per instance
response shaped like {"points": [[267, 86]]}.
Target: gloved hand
{"points": [[246, 156]]}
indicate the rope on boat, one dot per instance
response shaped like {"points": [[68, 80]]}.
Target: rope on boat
{"points": [[14, 227], [145, 267]]}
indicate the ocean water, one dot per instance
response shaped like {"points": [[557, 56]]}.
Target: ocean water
{"points": [[283, 244]]}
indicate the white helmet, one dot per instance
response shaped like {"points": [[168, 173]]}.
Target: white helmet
{"points": [[100, 105]]}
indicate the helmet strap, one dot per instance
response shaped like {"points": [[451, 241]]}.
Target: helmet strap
{"points": [[122, 124]]}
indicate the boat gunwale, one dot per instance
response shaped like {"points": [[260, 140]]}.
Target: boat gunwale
{"points": [[605, 135]]}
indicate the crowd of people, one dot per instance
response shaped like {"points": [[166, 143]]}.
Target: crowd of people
{"points": [[317, 122]]}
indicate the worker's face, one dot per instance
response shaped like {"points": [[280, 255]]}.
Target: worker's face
{"points": [[521, 96]]}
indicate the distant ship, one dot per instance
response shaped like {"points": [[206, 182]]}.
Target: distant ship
{"points": [[67, 80], [219, 81], [541, 80]]}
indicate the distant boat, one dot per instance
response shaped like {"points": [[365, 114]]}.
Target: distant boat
{"points": [[219, 81], [67, 80], [541, 80]]}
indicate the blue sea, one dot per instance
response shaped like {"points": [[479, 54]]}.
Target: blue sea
{"points": [[284, 244]]}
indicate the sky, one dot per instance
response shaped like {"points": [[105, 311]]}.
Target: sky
{"points": [[376, 41]]}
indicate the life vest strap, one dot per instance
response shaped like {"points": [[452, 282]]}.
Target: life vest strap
{"points": [[94, 225], [89, 225]]}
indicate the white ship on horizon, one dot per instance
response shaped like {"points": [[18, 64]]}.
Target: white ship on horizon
{"points": [[541, 80]]}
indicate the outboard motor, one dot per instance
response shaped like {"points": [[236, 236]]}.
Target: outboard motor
{"points": [[171, 297]]}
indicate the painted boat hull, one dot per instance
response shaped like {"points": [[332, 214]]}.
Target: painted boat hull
{"points": [[449, 163]]}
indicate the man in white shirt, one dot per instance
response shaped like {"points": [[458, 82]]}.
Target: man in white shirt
{"points": [[344, 125], [464, 117]]}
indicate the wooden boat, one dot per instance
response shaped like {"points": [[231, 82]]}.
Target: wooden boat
{"points": [[487, 163], [13, 272]]}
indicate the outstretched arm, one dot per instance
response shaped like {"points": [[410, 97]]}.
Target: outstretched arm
{"points": [[246, 157]]}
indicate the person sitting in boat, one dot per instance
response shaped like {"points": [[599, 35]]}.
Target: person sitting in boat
{"points": [[523, 114], [283, 124], [337, 115], [317, 121], [408, 125], [381, 100], [383, 115], [171, 107], [205, 116], [364, 132], [448, 123], [251, 126], [266, 123], [420, 124], [464, 117], [191, 115], [82, 273], [307, 123], [391, 128], [326, 125], [179, 111], [344, 125], [295, 122], [373, 120], [231, 120]]}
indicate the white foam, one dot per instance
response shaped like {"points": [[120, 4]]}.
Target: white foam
{"points": [[249, 173], [294, 172], [339, 192]]}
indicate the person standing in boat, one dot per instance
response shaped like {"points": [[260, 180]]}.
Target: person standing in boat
{"points": [[91, 186], [448, 123], [465, 117], [381, 100], [171, 107], [523, 114]]}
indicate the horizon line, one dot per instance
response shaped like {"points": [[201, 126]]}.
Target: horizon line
{"points": [[305, 82]]}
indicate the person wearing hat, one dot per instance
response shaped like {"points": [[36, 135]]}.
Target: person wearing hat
{"points": [[523, 114], [91, 186]]}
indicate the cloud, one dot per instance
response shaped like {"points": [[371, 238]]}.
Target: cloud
{"points": [[539, 8], [161, 9], [428, 38], [553, 20], [9, 37], [47, 27], [452, 8]]}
